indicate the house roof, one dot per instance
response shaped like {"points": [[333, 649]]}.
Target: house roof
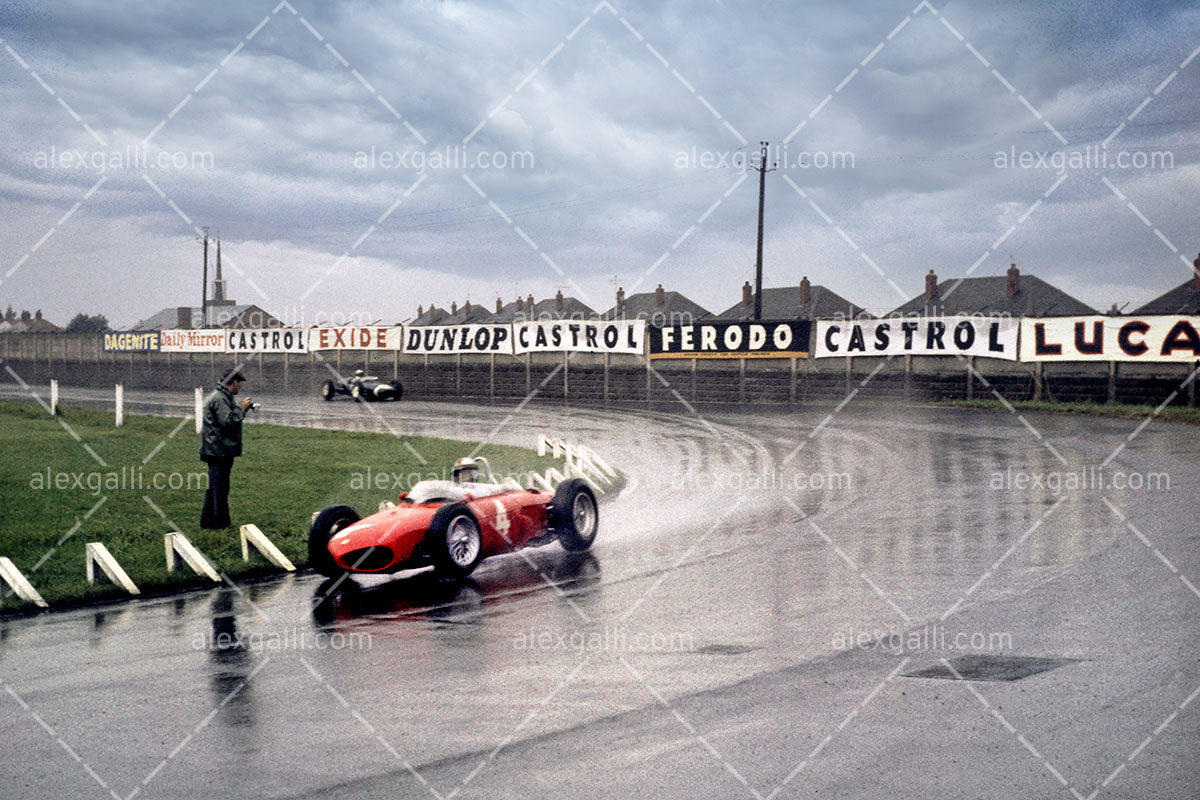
{"points": [[784, 303], [1183, 299], [465, 315], [543, 309], [989, 295], [238, 316], [675, 308], [431, 316]]}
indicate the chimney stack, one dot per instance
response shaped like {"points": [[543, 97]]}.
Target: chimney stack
{"points": [[805, 291], [620, 297], [1014, 280], [453, 306], [183, 317], [499, 305], [420, 311], [529, 302], [747, 294], [1196, 274], [520, 304], [660, 297], [558, 300], [930, 285], [467, 306]]}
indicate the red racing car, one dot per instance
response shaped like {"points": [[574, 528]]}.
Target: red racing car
{"points": [[452, 525]]}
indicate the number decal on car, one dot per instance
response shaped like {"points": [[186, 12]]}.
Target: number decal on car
{"points": [[501, 523]]}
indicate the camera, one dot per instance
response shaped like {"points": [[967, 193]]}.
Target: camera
{"points": [[255, 406]]}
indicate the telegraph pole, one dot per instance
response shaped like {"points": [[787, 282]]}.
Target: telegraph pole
{"points": [[762, 197], [204, 285]]}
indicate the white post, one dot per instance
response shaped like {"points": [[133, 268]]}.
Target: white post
{"points": [[54, 397], [251, 535], [199, 409], [97, 553], [13, 577], [120, 405]]}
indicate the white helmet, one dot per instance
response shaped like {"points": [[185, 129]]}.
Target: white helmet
{"points": [[465, 470]]}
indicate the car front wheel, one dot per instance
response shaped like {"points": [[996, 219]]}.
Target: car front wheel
{"points": [[454, 541], [327, 523], [574, 515]]}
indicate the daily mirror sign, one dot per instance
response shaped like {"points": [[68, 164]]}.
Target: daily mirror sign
{"points": [[731, 340], [1111, 339], [455, 339], [919, 336], [203, 340], [583, 336], [377, 337], [267, 340]]}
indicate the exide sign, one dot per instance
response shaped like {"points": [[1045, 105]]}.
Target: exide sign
{"points": [[377, 337]]}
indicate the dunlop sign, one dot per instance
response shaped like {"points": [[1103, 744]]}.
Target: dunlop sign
{"points": [[924, 336], [731, 340], [454, 339], [1111, 339], [267, 340]]}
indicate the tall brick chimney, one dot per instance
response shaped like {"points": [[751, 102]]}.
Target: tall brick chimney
{"points": [[805, 290], [660, 297], [1014, 280], [1196, 274], [183, 317], [930, 285], [499, 305], [747, 294], [620, 297], [558, 300]]}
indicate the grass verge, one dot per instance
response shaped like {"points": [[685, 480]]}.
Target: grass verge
{"points": [[146, 479], [1185, 414]]}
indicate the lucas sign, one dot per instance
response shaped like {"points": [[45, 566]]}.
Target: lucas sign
{"points": [[923, 336], [1111, 339], [267, 340], [582, 336], [731, 340], [455, 339]]}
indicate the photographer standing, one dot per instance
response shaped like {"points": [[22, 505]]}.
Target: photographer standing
{"points": [[220, 444]]}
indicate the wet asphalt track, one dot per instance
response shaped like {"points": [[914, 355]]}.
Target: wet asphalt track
{"points": [[697, 651]]}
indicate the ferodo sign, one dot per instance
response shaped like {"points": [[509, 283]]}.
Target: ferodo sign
{"points": [[204, 340], [1111, 339], [379, 337], [923, 336], [131, 342], [584, 336], [453, 339], [731, 340], [267, 340]]}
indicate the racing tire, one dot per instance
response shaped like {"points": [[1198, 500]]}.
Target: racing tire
{"points": [[397, 390], [454, 541], [328, 390], [574, 515], [356, 392], [328, 522]]}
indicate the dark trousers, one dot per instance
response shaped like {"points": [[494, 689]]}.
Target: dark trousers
{"points": [[215, 513]]}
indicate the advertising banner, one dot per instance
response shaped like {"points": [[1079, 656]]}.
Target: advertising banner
{"points": [[205, 340], [1166, 338], [919, 336], [453, 339], [131, 342], [763, 339], [267, 340], [584, 336], [376, 337]]}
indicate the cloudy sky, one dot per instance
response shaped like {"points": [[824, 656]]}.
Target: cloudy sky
{"points": [[587, 147]]}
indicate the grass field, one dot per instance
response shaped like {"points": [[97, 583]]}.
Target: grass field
{"points": [[56, 496], [1121, 410]]}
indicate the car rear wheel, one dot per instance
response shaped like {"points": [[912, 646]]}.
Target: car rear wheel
{"points": [[397, 390], [574, 514], [454, 541], [328, 522], [328, 390], [356, 391]]}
